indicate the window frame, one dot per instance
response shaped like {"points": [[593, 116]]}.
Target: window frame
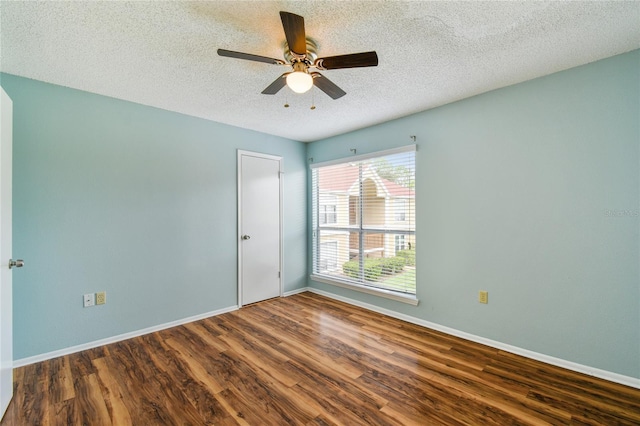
{"points": [[400, 243], [318, 227]]}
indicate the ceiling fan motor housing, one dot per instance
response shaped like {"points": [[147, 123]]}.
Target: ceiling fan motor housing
{"points": [[300, 66], [312, 48]]}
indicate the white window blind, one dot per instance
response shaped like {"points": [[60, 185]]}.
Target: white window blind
{"points": [[364, 220]]}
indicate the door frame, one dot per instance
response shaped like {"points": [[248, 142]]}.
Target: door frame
{"points": [[6, 280], [240, 154]]}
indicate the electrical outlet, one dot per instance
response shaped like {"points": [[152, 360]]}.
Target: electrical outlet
{"points": [[101, 298], [483, 297], [88, 300]]}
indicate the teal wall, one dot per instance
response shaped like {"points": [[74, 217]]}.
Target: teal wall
{"points": [[135, 201], [532, 193]]}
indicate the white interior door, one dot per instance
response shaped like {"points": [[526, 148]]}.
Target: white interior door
{"points": [[6, 298], [259, 210]]}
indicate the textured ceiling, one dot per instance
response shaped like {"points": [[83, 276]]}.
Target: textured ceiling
{"points": [[163, 54]]}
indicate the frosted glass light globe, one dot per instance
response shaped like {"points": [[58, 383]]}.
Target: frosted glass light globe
{"points": [[299, 81]]}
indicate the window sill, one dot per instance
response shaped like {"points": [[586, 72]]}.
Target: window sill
{"points": [[398, 297]]}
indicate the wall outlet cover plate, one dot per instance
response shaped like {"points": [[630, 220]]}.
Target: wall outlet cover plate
{"points": [[88, 300]]}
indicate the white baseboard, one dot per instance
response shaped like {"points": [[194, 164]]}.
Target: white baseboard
{"points": [[296, 291], [73, 349], [580, 368]]}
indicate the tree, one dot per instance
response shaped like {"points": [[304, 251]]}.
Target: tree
{"points": [[398, 173]]}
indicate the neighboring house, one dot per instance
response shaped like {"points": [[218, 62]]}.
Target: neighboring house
{"points": [[385, 206]]}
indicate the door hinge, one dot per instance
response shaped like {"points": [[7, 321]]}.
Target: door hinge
{"points": [[279, 275]]}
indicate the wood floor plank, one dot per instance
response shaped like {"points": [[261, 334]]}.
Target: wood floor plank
{"points": [[80, 364], [350, 334], [143, 399], [270, 365], [257, 394], [34, 398], [196, 369], [90, 404], [569, 386], [243, 321], [418, 415], [297, 338], [13, 413], [212, 340], [113, 394], [60, 385], [309, 360], [255, 338], [196, 383], [272, 399], [446, 399], [161, 386], [320, 421], [241, 408], [416, 403], [65, 413]]}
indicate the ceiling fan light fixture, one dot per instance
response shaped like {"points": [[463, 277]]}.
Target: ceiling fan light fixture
{"points": [[300, 53], [299, 81]]}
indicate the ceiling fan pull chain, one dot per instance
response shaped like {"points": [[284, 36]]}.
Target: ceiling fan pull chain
{"points": [[313, 98]]}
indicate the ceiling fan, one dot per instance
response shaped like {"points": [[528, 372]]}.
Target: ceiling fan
{"points": [[300, 53]]}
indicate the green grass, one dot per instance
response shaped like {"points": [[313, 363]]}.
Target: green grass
{"points": [[398, 281]]}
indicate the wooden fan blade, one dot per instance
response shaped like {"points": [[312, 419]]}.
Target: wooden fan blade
{"points": [[354, 60], [250, 57], [278, 84], [327, 86], [294, 31]]}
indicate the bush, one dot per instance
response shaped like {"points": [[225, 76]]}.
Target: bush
{"points": [[373, 268], [392, 265], [408, 255], [351, 269]]}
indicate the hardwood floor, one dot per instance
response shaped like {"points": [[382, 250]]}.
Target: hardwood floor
{"points": [[309, 360]]}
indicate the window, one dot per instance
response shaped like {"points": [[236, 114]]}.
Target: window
{"points": [[328, 256], [400, 206], [372, 244], [328, 210]]}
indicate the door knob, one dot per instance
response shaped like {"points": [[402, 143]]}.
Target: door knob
{"points": [[246, 237], [19, 263]]}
